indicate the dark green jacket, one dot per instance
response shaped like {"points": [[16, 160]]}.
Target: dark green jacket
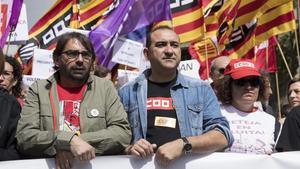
{"points": [[107, 130]]}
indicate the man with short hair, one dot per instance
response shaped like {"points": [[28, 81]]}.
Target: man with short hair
{"points": [[217, 68], [171, 114], [73, 114]]}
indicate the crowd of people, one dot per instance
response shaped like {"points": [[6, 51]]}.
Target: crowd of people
{"points": [[76, 115]]}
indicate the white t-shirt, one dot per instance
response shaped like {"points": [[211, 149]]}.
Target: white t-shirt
{"points": [[253, 132]]}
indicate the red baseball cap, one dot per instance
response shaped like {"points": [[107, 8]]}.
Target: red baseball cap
{"points": [[240, 68]]}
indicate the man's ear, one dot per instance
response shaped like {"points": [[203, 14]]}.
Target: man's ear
{"points": [[146, 53], [55, 61]]}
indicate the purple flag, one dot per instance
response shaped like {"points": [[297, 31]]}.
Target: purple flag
{"points": [[13, 21], [130, 15]]}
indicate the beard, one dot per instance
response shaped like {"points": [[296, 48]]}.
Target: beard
{"points": [[76, 74]]}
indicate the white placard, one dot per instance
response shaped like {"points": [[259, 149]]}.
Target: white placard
{"points": [[125, 76], [42, 65], [127, 52], [189, 68], [29, 79], [21, 32]]}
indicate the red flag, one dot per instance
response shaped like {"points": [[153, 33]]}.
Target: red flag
{"points": [[266, 55]]}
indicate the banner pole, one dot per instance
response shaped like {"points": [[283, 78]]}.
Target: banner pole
{"points": [[297, 48], [284, 60], [9, 38], [278, 95]]}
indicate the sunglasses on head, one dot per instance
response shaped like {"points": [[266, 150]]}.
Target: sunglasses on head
{"points": [[254, 82]]}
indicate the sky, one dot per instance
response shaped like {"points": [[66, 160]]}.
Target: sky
{"points": [[36, 9]]}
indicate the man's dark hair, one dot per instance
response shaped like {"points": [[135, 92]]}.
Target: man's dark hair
{"points": [[18, 76], [148, 39], [63, 40], [294, 80]]}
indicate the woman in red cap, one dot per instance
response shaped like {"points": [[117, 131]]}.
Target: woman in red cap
{"points": [[252, 128]]}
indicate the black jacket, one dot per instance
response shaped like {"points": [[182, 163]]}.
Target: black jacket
{"points": [[9, 115], [289, 139]]}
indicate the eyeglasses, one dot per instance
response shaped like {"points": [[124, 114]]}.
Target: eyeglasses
{"points": [[6, 74], [74, 54], [254, 82]]}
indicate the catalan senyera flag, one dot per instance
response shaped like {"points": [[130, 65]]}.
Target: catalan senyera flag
{"points": [[211, 20], [205, 49], [252, 9], [187, 20], [94, 12], [241, 41], [226, 19], [278, 20]]}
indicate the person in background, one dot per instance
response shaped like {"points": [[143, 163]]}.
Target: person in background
{"points": [[289, 139], [72, 115], [102, 72], [264, 99], [217, 69], [171, 114], [9, 116], [252, 128], [12, 78]]}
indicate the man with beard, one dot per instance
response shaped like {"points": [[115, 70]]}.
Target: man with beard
{"points": [[72, 114]]}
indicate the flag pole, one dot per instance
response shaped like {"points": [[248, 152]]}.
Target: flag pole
{"points": [[267, 57], [297, 47], [278, 95], [206, 58], [9, 38], [284, 60], [277, 84], [296, 34]]}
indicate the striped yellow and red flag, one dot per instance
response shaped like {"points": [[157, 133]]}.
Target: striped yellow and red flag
{"points": [[187, 20], [226, 19], [278, 20], [252, 9], [75, 19], [205, 49], [92, 13]]}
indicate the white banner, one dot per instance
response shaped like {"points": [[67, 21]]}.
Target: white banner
{"points": [[189, 68], [287, 160], [29, 79]]}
